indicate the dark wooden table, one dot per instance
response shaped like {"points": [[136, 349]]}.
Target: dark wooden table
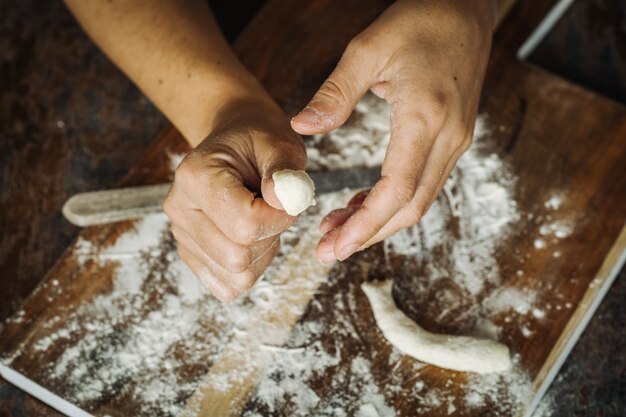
{"points": [[69, 124]]}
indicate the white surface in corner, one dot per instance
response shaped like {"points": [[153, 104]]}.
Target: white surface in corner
{"points": [[543, 28], [41, 393], [595, 303]]}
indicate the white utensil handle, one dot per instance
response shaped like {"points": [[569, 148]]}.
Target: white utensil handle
{"points": [[109, 206]]}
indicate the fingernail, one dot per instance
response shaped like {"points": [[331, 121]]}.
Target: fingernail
{"points": [[326, 257], [346, 251], [328, 223], [358, 199], [308, 116]]}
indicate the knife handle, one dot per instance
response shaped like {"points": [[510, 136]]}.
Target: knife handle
{"points": [[109, 206]]}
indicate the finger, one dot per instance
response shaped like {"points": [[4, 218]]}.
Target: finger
{"points": [[220, 290], [213, 186], [339, 216], [325, 252], [216, 245], [415, 210], [239, 282], [333, 103], [277, 155], [243, 279], [265, 258], [359, 198], [336, 218], [411, 140], [235, 258], [242, 282]]}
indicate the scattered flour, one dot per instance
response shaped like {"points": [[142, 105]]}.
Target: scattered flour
{"points": [[157, 331], [362, 142], [554, 202], [486, 389], [478, 199], [154, 336], [510, 298]]}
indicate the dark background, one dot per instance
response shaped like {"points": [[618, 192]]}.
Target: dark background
{"points": [[71, 122]]}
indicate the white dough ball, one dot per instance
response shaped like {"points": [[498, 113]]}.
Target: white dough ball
{"points": [[295, 190]]}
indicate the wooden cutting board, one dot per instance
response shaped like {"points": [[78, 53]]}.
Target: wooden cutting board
{"points": [[304, 341]]}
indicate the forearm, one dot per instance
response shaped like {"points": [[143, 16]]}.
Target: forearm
{"points": [[174, 51]]}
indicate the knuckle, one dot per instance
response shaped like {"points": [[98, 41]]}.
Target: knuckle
{"points": [[403, 189], [432, 113], [244, 281], [185, 170], [245, 230], [224, 294], [334, 90], [413, 216], [237, 261], [359, 43], [435, 115]]}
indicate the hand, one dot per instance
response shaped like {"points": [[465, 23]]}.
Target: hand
{"points": [[224, 213], [427, 59]]}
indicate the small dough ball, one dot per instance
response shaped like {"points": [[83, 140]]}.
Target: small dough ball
{"points": [[295, 190]]}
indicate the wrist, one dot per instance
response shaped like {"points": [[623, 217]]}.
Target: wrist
{"points": [[437, 16], [220, 99], [250, 112]]}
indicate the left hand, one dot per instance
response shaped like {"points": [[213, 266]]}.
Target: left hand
{"points": [[427, 59]]}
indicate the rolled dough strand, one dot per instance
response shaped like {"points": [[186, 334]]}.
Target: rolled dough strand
{"points": [[459, 353], [295, 190]]}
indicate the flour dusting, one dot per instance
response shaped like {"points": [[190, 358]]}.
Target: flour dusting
{"points": [[155, 338], [478, 200]]}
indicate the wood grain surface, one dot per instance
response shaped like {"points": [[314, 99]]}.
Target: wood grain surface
{"points": [[557, 137]]}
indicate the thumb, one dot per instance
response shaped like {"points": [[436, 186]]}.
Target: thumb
{"points": [[333, 103], [290, 154]]}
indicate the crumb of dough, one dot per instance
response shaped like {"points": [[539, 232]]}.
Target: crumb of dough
{"points": [[295, 190]]}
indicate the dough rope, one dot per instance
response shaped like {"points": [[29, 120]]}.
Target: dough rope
{"points": [[459, 353]]}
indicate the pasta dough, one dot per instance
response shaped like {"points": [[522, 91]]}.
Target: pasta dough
{"points": [[295, 190], [459, 353]]}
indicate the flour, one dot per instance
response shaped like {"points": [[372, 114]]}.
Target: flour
{"points": [[153, 335], [487, 389], [505, 299], [157, 322], [554, 202], [478, 198], [362, 142]]}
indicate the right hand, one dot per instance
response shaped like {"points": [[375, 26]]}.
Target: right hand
{"points": [[223, 210]]}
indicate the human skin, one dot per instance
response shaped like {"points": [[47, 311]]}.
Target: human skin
{"points": [[427, 58]]}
